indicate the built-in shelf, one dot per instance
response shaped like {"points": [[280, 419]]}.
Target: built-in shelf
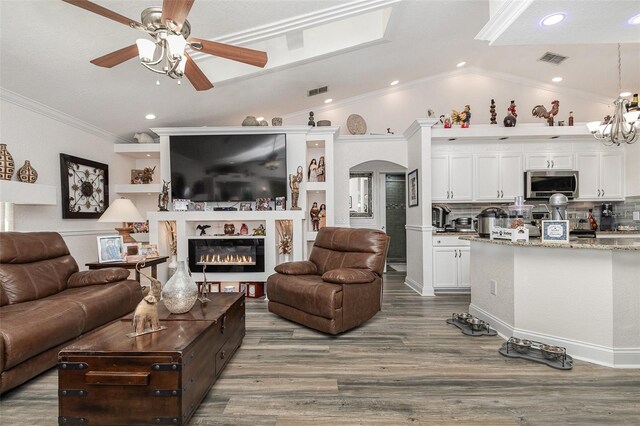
{"points": [[224, 237], [496, 131], [311, 235], [138, 150], [149, 188], [27, 193], [316, 186]]}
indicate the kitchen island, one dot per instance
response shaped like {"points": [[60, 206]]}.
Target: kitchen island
{"points": [[583, 295]]}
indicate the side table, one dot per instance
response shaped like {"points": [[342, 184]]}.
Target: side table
{"points": [[152, 263]]}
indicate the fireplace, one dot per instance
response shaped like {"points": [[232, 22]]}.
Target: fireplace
{"points": [[226, 254]]}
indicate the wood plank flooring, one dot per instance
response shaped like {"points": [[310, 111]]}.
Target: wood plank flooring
{"points": [[405, 366]]}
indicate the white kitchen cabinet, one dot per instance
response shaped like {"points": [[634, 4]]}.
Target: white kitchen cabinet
{"points": [[498, 176], [544, 161], [451, 263], [452, 177], [601, 176]]}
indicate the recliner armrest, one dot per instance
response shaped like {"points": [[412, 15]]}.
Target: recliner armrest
{"points": [[303, 267], [97, 276], [349, 276]]}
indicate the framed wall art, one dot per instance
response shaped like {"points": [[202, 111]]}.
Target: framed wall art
{"points": [[412, 188], [85, 187]]}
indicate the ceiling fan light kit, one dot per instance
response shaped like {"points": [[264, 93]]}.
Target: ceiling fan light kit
{"points": [[170, 30]]}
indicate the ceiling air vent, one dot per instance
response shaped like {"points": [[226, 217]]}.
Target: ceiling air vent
{"points": [[318, 91], [553, 58]]}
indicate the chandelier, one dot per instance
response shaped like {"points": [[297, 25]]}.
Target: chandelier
{"points": [[165, 53], [623, 125]]}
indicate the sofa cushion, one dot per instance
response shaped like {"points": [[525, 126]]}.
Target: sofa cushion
{"points": [[349, 276], [303, 267], [307, 293], [97, 276], [28, 247], [30, 328], [31, 281], [102, 303]]}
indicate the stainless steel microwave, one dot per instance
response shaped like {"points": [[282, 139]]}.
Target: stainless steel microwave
{"points": [[541, 184]]}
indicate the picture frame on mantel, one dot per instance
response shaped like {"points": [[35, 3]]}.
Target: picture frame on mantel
{"points": [[412, 188], [84, 187]]}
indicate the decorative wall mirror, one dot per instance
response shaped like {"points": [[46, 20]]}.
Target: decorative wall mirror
{"points": [[360, 194]]}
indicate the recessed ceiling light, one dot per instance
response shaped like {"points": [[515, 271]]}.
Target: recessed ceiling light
{"points": [[394, 82], [150, 116], [553, 19], [635, 20], [461, 64], [625, 94], [556, 79], [148, 155], [260, 118], [317, 144], [328, 101]]}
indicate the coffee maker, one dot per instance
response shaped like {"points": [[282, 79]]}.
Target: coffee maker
{"points": [[439, 216], [607, 217]]}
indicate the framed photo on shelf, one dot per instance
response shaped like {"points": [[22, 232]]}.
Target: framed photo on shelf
{"points": [[199, 207], [281, 203], [263, 204], [555, 231], [111, 249], [136, 176], [209, 207], [180, 205], [148, 250], [412, 188], [84, 187], [245, 207]]}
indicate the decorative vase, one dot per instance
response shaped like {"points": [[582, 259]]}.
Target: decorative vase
{"points": [[276, 121], [180, 293], [27, 174], [7, 166], [173, 265], [229, 229], [250, 121]]}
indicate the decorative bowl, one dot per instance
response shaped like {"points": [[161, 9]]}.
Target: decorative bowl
{"points": [[520, 345], [476, 324], [551, 352]]}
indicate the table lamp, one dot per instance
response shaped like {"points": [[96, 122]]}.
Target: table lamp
{"points": [[122, 210]]}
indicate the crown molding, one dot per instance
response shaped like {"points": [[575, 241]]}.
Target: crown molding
{"points": [[62, 117], [418, 125], [506, 15], [232, 130]]}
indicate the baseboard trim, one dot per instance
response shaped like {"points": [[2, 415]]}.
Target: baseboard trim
{"points": [[596, 354], [417, 287]]}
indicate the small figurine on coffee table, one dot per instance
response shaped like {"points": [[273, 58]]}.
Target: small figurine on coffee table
{"points": [[315, 216]]}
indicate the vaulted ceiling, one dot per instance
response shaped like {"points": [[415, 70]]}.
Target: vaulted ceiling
{"points": [[353, 47]]}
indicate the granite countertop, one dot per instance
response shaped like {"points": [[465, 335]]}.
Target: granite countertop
{"points": [[629, 244], [625, 232]]}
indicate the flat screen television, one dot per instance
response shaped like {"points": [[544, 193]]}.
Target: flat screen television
{"points": [[228, 168]]}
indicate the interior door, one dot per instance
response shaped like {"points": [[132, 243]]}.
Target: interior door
{"points": [[396, 217]]}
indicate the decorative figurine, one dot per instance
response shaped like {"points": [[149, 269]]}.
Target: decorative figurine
{"points": [[294, 184], [143, 138], [389, 132], [145, 317], [321, 169], [312, 175], [203, 229], [163, 198], [260, 230], [447, 122], [463, 118], [492, 110], [244, 229], [511, 118], [311, 122], [570, 118], [147, 175], [322, 214], [441, 120], [541, 112], [276, 121], [315, 217]]}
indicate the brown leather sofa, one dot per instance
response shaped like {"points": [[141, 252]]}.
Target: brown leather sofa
{"points": [[339, 287], [45, 303]]}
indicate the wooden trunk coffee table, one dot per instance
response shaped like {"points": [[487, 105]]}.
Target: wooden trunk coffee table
{"points": [[107, 378]]}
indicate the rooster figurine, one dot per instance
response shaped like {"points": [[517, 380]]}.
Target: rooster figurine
{"points": [[541, 112], [463, 118]]}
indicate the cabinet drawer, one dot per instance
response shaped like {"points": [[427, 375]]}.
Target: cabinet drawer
{"points": [[449, 241]]}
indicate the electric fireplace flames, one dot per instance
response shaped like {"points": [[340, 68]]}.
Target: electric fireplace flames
{"points": [[216, 259], [233, 254]]}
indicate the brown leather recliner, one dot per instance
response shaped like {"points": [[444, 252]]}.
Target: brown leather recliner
{"points": [[339, 287], [46, 303]]}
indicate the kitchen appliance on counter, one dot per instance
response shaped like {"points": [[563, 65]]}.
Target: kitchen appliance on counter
{"points": [[464, 224], [439, 215], [487, 219], [521, 214], [558, 203], [607, 218], [541, 184]]}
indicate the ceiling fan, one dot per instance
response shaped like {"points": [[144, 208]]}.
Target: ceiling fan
{"points": [[170, 30]]}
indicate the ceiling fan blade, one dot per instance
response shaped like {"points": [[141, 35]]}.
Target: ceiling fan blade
{"points": [[102, 11], [235, 53], [196, 76], [115, 58], [176, 10]]}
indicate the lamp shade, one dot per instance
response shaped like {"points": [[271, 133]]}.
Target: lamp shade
{"points": [[593, 126], [182, 65], [176, 43], [146, 49], [121, 210]]}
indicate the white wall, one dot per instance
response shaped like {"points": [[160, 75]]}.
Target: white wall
{"points": [[632, 169], [398, 106], [34, 132]]}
